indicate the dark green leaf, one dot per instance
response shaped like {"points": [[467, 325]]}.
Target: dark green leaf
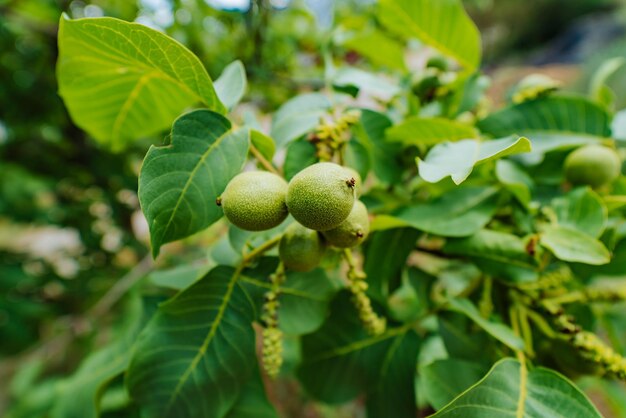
{"points": [[511, 390], [179, 183], [458, 213], [197, 353]]}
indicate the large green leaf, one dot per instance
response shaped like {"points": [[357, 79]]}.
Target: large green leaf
{"points": [[232, 84], [569, 244], [197, 353], [550, 123], [179, 183], [443, 380], [511, 390], [497, 253], [121, 81], [429, 131], [457, 159], [442, 24], [581, 209], [341, 361], [458, 213]]}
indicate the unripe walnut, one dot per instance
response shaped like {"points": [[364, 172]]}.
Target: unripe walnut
{"points": [[300, 248], [353, 230], [255, 200], [321, 196], [592, 165]]}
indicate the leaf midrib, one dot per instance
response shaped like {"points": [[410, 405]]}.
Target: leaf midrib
{"points": [[192, 175], [207, 340]]}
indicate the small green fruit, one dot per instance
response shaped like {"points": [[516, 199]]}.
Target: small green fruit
{"points": [[300, 248], [255, 200], [353, 230], [321, 196], [593, 165]]}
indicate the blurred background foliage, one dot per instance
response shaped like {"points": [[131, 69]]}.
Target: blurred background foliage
{"points": [[70, 225]]}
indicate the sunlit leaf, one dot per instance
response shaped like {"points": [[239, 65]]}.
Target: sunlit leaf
{"points": [[122, 81]]}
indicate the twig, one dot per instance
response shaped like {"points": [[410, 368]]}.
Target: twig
{"points": [[264, 162], [121, 287]]}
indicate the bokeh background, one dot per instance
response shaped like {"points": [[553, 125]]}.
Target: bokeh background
{"points": [[70, 225]]}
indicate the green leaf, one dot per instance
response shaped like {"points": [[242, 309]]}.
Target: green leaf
{"points": [[179, 183], [457, 159], [78, 396], [443, 380], [497, 253], [516, 180], [196, 355], [341, 361], [581, 209], [379, 48], [232, 84], [458, 213], [570, 244], [385, 257], [417, 130], [263, 143], [442, 24], [121, 81], [499, 331], [551, 123], [298, 116], [511, 390], [300, 154], [370, 132]]}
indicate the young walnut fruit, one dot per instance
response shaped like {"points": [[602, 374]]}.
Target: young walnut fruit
{"points": [[255, 200], [321, 196], [592, 165], [300, 248], [352, 231]]}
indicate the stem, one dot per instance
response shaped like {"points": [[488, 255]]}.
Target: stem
{"points": [[266, 246], [263, 161], [121, 287]]}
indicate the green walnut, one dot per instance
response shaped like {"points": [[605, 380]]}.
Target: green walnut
{"points": [[300, 248], [592, 165], [255, 200], [321, 196], [352, 231]]}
